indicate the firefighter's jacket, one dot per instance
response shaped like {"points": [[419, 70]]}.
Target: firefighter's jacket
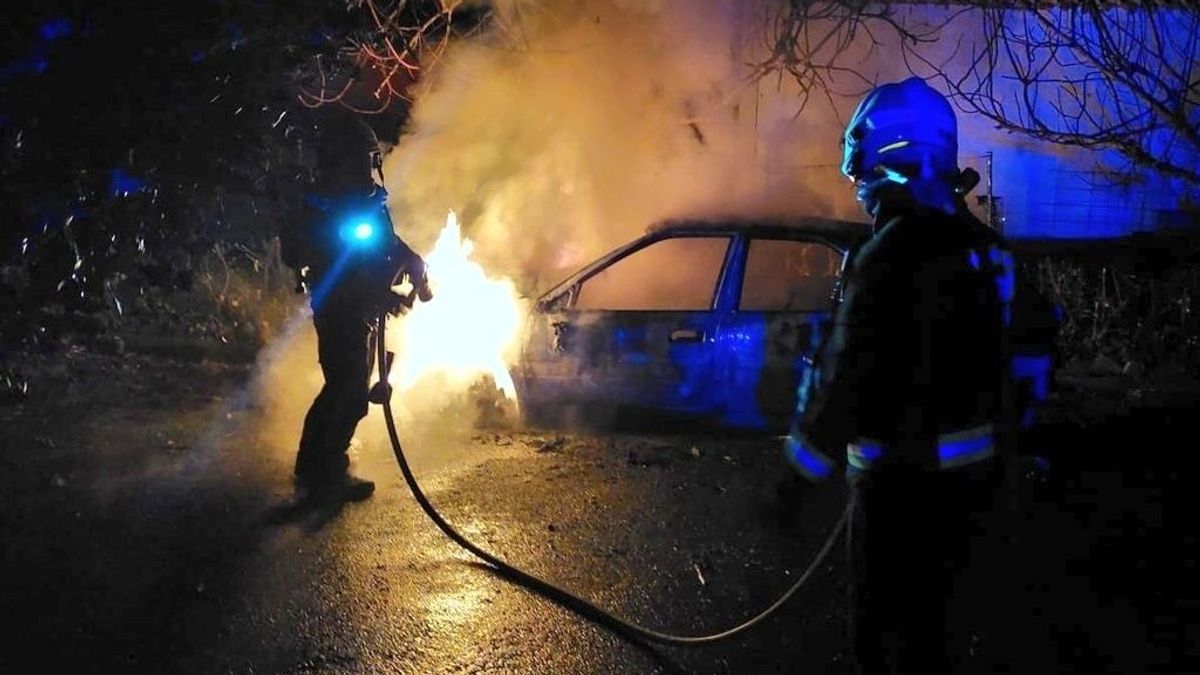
{"points": [[1032, 325], [345, 275], [914, 368]]}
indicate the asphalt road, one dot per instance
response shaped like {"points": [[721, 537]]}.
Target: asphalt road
{"points": [[150, 526]]}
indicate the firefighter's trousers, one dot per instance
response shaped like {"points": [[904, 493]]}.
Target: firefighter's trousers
{"points": [[344, 347], [908, 543]]}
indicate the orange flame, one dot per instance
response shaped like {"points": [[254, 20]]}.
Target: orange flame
{"points": [[469, 326]]}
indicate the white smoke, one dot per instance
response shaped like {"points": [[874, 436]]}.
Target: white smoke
{"points": [[571, 125]]}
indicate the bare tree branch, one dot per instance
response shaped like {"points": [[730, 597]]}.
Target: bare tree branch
{"points": [[1090, 73], [405, 38]]}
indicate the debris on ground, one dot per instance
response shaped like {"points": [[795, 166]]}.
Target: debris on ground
{"points": [[648, 457], [13, 387], [552, 444], [493, 408]]}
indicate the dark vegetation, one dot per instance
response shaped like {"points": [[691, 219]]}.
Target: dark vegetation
{"points": [[1129, 305], [149, 156]]}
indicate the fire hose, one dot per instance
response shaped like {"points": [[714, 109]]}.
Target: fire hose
{"points": [[548, 590]]}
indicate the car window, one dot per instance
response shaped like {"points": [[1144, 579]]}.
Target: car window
{"points": [[788, 275], [677, 274]]}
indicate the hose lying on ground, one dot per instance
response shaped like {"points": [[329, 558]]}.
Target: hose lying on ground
{"points": [[565, 598]]}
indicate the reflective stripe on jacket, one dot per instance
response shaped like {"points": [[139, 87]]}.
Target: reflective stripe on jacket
{"points": [[954, 449]]}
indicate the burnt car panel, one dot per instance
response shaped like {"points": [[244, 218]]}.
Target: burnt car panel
{"points": [[784, 287], [711, 320], [633, 332]]}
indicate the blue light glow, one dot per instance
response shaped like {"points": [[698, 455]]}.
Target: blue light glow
{"points": [[954, 452], [122, 184], [330, 279], [363, 231], [894, 176], [1044, 190], [863, 454], [1036, 369], [1043, 194], [359, 231], [742, 346], [55, 29], [811, 464]]}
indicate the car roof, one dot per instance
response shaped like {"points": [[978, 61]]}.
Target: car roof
{"points": [[841, 233]]}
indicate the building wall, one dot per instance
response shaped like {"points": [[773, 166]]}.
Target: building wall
{"points": [[1044, 192]]}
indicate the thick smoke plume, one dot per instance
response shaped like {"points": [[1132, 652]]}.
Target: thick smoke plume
{"points": [[572, 125]]}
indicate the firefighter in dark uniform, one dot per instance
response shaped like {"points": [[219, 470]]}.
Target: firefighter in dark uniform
{"points": [[911, 385], [346, 255]]}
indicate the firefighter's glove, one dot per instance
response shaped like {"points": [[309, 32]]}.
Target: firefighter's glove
{"points": [[399, 303], [418, 276]]}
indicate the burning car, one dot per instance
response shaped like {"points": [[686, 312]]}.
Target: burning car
{"points": [[709, 321]]}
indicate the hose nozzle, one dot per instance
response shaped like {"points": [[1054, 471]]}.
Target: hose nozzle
{"points": [[381, 391]]}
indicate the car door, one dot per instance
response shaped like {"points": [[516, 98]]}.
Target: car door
{"points": [[782, 296], [635, 333]]}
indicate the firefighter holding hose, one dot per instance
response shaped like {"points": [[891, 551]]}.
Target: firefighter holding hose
{"points": [[347, 256], [913, 385]]}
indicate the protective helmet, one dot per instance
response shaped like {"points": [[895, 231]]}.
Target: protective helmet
{"points": [[898, 127], [338, 147]]}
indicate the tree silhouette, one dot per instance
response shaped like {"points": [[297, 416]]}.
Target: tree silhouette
{"points": [[1090, 74]]}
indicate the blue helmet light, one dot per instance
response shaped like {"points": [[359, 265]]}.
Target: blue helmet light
{"points": [[359, 232]]}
